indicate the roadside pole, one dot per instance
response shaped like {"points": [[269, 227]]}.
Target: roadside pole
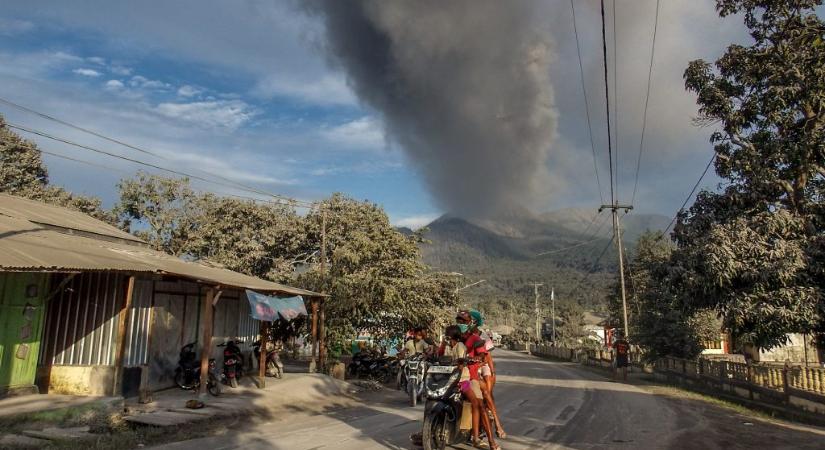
{"points": [[617, 231], [553, 312], [538, 315]]}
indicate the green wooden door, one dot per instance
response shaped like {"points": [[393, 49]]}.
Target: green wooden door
{"points": [[22, 309]]}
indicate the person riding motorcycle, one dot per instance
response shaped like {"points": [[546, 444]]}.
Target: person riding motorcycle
{"points": [[487, 370], [472, 388]]}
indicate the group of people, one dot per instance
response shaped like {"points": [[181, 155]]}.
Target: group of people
{"points": [[466, 342]]}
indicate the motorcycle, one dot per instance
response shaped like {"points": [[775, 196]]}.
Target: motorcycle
{"points": [[366, 364], [232, 363], [444, 407], [274, 366], [415, 368], [188, 372]]}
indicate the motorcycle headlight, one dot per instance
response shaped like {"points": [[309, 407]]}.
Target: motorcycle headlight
{"points": [[437, 389]]}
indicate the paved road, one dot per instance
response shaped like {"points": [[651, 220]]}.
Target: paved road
{"points": [[544, 404]]}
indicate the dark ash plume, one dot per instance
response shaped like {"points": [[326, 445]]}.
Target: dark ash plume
{"points": [[463, 87]]}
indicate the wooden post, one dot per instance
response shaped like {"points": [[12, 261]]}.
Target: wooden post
{"points": [[262, 356], [207, 311], [322, 345], [121, 337], [314, 307]]}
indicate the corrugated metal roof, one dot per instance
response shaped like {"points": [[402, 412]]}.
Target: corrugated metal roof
{"points": [[43, 213], [26, 245]]}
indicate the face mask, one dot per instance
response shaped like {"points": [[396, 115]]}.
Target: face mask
{"points": [[463, 327]]}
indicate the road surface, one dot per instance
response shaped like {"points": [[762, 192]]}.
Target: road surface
{"points": [[543, 404]]}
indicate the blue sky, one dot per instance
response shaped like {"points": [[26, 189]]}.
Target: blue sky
{"points": [[241, 89]]}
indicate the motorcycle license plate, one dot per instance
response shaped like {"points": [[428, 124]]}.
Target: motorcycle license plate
{"points": [[441, 369]]}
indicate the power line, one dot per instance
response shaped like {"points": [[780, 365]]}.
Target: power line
{"points": [[607, 106], [287, 200], [139, 149], [692, 191], [647, 100], [590, 239], [595, 265], [115, 169], [616, 97], [586, 103]]}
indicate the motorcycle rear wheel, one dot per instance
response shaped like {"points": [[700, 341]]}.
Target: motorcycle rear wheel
{"points": [[180, 380], [435, 435]]}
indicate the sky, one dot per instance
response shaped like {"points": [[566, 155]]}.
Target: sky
{"points": [[244, 90]]}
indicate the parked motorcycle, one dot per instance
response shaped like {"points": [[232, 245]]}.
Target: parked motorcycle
{"points": [[414, 370], [232, 363], [274, 366], [366, 364], [188, 372]]}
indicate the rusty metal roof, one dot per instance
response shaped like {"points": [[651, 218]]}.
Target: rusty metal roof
{"points": [[38, 237]]}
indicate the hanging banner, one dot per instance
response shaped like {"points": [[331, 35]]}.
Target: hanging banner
{"points": [[270, 309]]}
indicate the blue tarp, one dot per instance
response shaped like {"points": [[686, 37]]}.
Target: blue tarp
{"points": [[271, 309]]}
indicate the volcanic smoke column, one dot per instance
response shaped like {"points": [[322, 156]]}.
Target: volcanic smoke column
{"points": [[463, 87]]}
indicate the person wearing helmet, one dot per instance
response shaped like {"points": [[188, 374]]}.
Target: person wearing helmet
{"points": [[487, 370]]}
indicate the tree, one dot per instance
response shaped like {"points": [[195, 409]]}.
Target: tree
{"points": [[374, 274], [162, 211], [23, 173], [255, 238], [660, 320], [752, 252]]}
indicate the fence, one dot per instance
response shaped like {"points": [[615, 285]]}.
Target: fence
{"points": [[798, 387]]}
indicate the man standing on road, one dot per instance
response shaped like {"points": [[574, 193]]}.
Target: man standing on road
{"points": [[621, 351]]}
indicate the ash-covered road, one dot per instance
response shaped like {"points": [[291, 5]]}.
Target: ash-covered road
{"points": [[543, 404]]}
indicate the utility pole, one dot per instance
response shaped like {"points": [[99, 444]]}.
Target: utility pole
{"points": [[617, 232], [553, 312], [538, 319], [322, 346]]}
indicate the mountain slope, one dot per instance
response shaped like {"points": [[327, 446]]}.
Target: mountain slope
{"points": [[507, 253]]}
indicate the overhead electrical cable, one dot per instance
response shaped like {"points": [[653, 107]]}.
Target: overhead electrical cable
{"points": [[586, 104], [115, 169], [139, 149], [615, 102], [607, 106], [692, 191], [284, 199], [593, 268], [647, 100]]}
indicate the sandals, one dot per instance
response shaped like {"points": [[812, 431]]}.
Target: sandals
{"points": [[500, 434]]}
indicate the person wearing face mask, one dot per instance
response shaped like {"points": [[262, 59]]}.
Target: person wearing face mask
{"points": [[472, 388], [487, 370]]}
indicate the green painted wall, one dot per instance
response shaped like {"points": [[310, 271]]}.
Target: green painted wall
{"points": [[22, 309]]}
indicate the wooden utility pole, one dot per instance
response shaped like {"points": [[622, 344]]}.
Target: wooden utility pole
{"points": [[262, 356], [206, 337], [322, 348], [538, 316], [553, 312], [617, 232], [120, 343]]}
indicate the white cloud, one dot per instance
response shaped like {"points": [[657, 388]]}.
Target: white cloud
{"points": [[211, 114], [87, 72], [415, 222], [188, 91], [362, 133], [139, 81], [328, 90], [114, 85], [12, 27], [121, 70], [96, 60]]}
